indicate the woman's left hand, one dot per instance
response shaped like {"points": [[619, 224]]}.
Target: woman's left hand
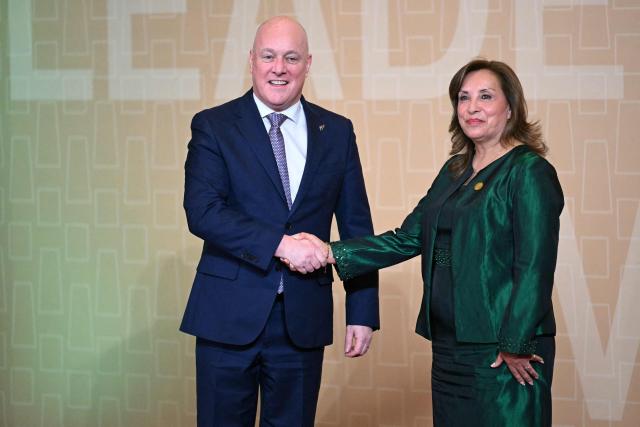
{"points": [[519, 365]]}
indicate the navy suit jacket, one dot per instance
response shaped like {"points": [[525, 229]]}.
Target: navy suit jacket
{"points": [[235, 202]]}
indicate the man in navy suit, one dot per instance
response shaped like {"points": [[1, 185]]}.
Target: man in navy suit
{"points": [[260, 327]]}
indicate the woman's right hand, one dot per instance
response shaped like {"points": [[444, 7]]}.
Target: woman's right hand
{"points": [[519, 365]]}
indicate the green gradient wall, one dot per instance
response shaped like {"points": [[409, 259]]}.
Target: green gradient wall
{"points": [[95, 258]]}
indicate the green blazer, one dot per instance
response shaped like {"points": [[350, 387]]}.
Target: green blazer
{"points": [[504, 246]]}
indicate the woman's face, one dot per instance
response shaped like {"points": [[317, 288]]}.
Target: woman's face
{"points": [[483, 109]]}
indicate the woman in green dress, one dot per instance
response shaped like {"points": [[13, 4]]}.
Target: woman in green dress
{"points": [[487, 231]]}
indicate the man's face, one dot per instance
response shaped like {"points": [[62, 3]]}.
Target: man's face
{"points": [[279, 63]]}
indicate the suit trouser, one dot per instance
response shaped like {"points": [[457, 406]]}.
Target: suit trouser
{"points": [[229, 377]]}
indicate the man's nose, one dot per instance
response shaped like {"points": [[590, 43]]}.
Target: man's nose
{"points": [[279, 66]]}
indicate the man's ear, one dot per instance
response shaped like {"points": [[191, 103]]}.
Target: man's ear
{"points": [[309, 60]]}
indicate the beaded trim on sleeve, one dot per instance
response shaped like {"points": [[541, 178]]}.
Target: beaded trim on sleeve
{"points": [[517, 347], [340, 254]]}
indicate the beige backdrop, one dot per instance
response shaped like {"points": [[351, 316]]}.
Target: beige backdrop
{"points": [[96, 261]]}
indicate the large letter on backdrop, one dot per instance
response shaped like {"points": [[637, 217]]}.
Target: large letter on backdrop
{"points": [[27, 83], [605, 374], [556, 81], [381, 80], [127, 83]]}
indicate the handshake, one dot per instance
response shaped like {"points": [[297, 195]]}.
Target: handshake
{"points": [[304, 252]]}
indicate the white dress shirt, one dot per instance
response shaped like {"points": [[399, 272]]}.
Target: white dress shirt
{"points": [[294, 132]]}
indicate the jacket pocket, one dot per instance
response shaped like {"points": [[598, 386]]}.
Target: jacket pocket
{"points": [[224, 267]]}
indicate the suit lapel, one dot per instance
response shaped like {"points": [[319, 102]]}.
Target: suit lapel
{"points": [[251, 127], [315, 146]]}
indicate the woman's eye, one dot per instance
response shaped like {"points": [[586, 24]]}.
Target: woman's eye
{"points": [[462, 97], [486, 96]]}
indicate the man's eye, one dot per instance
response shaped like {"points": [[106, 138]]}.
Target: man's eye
{"points": [[292, 59], [267, 58]]}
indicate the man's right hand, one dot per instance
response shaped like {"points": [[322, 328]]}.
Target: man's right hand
{"points": [[301, 254], [318, 244]]}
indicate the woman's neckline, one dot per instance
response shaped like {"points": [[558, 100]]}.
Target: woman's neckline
{"points": [[475, 173]]}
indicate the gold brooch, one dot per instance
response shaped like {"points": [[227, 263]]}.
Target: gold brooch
{"points": [[478, 186]]}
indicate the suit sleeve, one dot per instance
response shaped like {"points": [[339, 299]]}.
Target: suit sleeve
{"points": [[537, 203], [209, 216], [353, 217]]}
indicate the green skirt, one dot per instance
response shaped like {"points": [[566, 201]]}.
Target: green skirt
{"points": [[466, 391]]}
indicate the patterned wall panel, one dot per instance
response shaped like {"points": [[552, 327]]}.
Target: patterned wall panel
{"points": [[96, 260]]}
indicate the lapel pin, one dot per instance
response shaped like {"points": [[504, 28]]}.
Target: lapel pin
{"points": [[478, 186], [321, 127]]}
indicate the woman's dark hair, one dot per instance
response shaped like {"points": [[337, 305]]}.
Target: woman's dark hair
{"points": [[517, 127]]}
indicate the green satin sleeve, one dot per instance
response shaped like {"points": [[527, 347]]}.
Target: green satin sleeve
{"points": [[537, 203], [355, 257]]}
